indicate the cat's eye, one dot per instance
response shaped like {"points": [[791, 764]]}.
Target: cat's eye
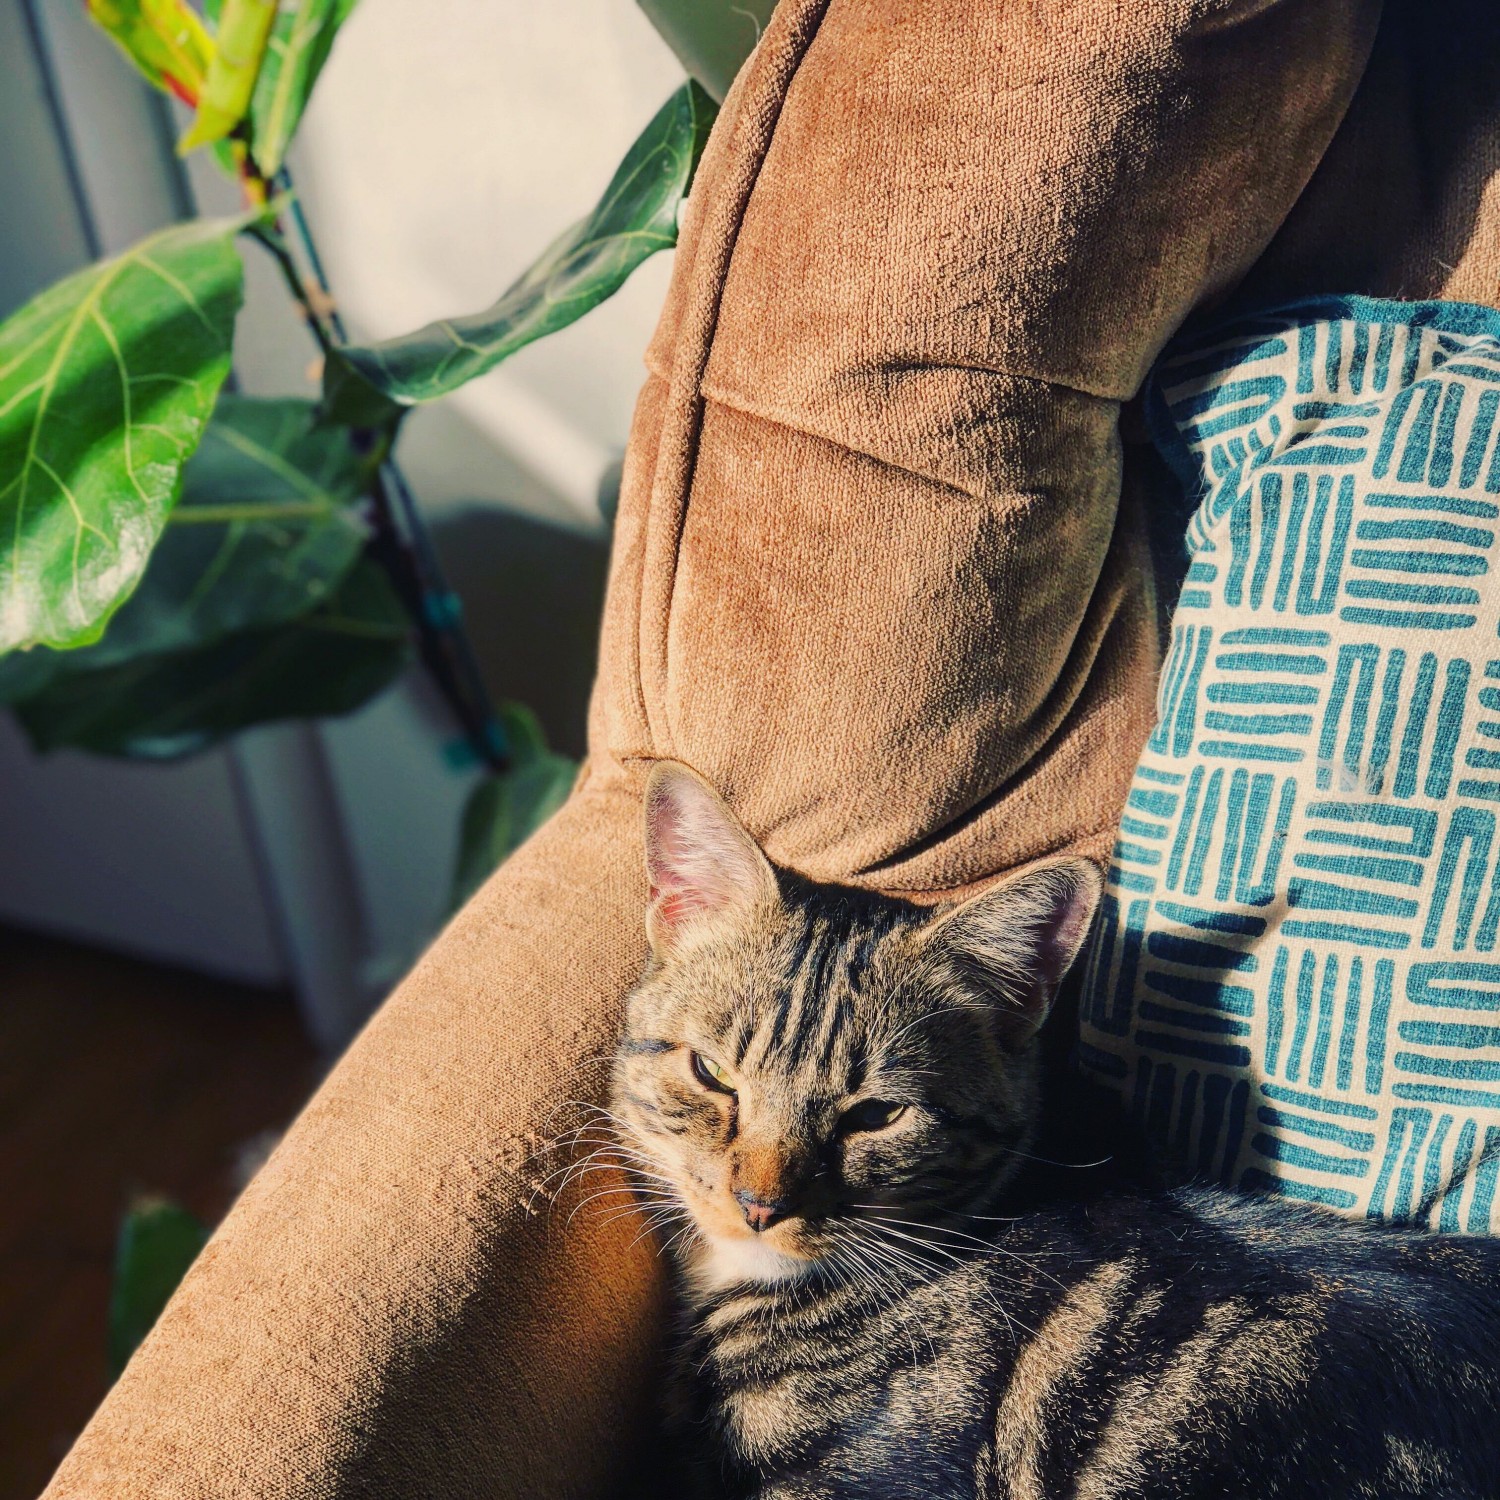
{"points": [[711, 1075], [870, 1114]]}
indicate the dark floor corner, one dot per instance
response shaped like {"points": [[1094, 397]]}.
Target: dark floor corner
{"points": [[117, 1077]]}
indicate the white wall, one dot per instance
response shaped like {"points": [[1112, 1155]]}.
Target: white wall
{"points": [[449, 142]]}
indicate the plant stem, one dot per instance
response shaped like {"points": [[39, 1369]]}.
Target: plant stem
{"points": [[310, 249], [271, 236], [440, 625], [403, 542]]}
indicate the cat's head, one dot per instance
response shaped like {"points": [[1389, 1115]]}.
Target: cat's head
{"points": [[800, 1060]]}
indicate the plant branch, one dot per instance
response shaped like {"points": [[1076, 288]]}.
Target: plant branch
{"points": [[272, 237], [402, 541]]}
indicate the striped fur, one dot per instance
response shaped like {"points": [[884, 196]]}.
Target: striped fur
{"points": [[932, 1310]]}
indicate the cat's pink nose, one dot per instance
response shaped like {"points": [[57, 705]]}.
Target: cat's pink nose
{"points": [[761, 1213]]}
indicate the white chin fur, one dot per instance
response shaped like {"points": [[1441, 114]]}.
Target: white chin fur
{"points": [[716, 1263]]}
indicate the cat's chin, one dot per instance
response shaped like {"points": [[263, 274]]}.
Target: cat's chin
{"points": [[716, 1262]]}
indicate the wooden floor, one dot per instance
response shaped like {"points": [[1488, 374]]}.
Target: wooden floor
{"points": [[116, 1078]]}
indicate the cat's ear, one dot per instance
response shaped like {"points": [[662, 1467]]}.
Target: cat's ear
{"points": [[1018, 939], [702, 864]]}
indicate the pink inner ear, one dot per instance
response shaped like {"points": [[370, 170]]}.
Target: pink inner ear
{"points": [[675, 906], [1048, 915], [1068, 930], [698, 859]]}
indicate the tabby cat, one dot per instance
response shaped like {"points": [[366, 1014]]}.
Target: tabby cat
{"points": [[888, 1289]]}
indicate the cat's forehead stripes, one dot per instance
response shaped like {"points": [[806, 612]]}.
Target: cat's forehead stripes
{"points": [[805, 1015], [812, 982]]}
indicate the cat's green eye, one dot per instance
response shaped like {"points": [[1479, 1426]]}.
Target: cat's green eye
{"points": [[711, 1075], [870, 1114]]}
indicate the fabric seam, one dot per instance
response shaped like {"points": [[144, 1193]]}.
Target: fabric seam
{"points": [[717, 396]]}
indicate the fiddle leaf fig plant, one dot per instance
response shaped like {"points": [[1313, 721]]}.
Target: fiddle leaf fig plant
{"points": [[164, 39], [504, 811], [283, 50], [157, 1242], [244, 28], [712, 38], [636, 217], [107, 382], [177, 563], [263, 531]]}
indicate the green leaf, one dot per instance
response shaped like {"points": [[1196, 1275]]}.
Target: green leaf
{"points": [[158, 1242], [712, 38], [504, 811], [23, 673], [349, 400], [263, 533], [244, 29], [636, 217], [107, 381], [300, 44], [525, 739], [163, 38], [266, 528], [329, 661]]}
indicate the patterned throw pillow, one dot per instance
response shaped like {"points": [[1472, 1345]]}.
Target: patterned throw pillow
{"points": [[1296, 983]]}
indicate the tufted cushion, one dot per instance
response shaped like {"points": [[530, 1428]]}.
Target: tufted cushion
{"points": [[1297, 979]]}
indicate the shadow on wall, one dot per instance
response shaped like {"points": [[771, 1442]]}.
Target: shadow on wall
{"points": [[533, 593]]}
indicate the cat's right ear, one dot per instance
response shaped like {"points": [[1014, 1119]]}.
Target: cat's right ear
{"points": [[703, 867], [1019, 938]]}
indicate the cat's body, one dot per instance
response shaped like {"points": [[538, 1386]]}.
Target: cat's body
{"points": [[890, 1287], [1129, 1344]]}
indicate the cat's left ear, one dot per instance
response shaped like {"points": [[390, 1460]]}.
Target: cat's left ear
{"points": [[1019, 939], [704, 868]]}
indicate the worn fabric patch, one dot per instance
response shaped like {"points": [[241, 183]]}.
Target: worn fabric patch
{"points": [[1296, 981]]}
